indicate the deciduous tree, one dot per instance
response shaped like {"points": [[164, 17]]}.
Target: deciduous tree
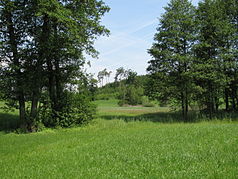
{"points": [[172, 53]]}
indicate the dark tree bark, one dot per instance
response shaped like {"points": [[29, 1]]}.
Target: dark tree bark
{"points": [[227, 99], [14, 49]]}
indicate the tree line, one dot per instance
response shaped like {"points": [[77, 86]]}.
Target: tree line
{"points": [[195, 56], [42, 47], [127, 87]]}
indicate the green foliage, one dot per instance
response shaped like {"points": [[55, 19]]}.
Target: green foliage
{"points": [[79, 110], [131, 95], [127, 87], [195, 56], [147, 103], [130, 89], [172, 56], [134, 95], [106, 103], [42, 48], [109, 91]]}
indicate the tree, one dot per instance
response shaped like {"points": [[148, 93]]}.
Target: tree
{"points": [[228, 49], [130, 92], [44, 41], [103, 74], [172, 53], [135, 91], [14, 25], [108, 74], [131, 77], [120, 74], [64, 66], [215, 64]]}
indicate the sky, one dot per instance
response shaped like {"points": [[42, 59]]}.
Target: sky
{"points": [[132, 25]]}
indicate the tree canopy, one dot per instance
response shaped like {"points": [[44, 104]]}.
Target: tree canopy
{"points": [[194, 56], [42, 50]]}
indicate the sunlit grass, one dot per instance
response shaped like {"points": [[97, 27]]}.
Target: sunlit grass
{"points": [[116, 148], [111, 107]]}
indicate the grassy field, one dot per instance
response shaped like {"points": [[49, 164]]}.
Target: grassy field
{"points": [[124, 147], [110, 110]]}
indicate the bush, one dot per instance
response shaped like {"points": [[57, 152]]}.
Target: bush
{"points": [[106, 96], [102, 97], [131, 95], [146, 102], [77, 109], [134, 95], [121, 102]]}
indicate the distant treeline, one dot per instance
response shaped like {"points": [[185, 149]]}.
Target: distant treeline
{"points": [[128, 87]]}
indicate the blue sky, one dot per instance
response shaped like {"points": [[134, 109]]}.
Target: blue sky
{"points": [[132, 24]]}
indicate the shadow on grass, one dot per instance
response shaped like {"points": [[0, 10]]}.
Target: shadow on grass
{"points": [[174, 117], [8, 122]]}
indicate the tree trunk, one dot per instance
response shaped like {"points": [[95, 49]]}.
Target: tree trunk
{"points": [[51, 84], [33, 114], [58, 80], [58, 86], [233, 96], [183, 105], [216, 104], [233, 103], [227, 99], [16, 62], [22, 110], [236, 103], [34, 105], [186, 105], [236, 98], [45, 44], [210, 105]]}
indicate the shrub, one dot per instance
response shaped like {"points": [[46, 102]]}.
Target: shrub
{"points": [[121, 102], [102, 97], [146, 102], [78, 109], [131, 95]]}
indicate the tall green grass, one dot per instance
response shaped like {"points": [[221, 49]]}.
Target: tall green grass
{"points": [[109, 109], [116, 148]]}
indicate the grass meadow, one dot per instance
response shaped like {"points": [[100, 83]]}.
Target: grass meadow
{"points": [[123, 142]]}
